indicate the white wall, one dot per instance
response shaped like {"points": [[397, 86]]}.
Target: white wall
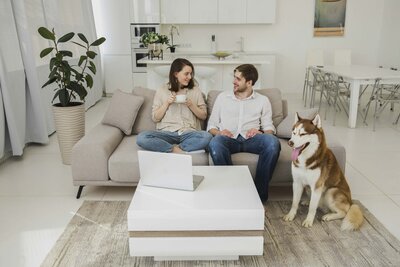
{"points": [[292, 36], [389, 46]]}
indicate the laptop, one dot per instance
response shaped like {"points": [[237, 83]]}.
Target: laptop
{"points": [[167, 170]]}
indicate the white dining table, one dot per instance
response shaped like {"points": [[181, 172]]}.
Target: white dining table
{"points": [[358, 75]]}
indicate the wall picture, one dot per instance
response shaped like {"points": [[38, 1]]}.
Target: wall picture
{"points": [[329, 17]]}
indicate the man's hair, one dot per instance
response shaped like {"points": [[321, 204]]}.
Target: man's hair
{"points": [[249, 72], [176, 66]]}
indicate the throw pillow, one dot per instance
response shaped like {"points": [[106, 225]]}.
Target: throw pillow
{"points": [[284, 129], [143, 121], [275, 97], [122, 111], [211, 97]]}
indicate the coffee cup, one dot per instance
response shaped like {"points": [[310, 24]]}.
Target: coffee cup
{"points": [[180, 98]]}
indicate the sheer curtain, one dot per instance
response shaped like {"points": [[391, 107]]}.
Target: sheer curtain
{"points": [[25, 108]]}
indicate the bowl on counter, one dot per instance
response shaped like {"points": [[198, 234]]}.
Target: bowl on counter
{"points": [[222, 54]]}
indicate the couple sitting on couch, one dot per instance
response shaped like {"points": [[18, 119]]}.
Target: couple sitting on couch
{"points": [[241, 121]]}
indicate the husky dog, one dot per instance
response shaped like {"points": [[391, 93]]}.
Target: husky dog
{"points": [[314, 165]]}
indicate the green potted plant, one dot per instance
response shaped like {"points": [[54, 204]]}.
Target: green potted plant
{"points": [[154, 41], [72, 82]]}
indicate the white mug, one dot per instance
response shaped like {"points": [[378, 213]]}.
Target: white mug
{"points": [[180, 99]]}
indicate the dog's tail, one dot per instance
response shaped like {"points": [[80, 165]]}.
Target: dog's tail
{"points": [[354, 218]]}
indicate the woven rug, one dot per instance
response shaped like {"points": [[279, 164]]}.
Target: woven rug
{"points": [[97, 236]]}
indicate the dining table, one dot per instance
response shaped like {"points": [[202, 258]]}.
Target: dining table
{"points": [[358, 75]]}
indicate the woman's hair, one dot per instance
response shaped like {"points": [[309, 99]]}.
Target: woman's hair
{"points": [[176, 66], [249, 72]]}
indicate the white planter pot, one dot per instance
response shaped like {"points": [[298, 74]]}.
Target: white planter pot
{"points": [[70, 127]]}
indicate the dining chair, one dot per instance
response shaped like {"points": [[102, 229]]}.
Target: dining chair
{"points": [[315, 57]]}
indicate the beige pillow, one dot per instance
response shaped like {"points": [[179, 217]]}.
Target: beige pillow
{"points": [[143, 121], [284, 129], [275, 97], [122, 111]]}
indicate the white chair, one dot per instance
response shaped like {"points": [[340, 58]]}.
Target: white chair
{"points": [[314, 58]]}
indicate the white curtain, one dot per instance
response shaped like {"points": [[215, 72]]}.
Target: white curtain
{"points": [[25, 108]]}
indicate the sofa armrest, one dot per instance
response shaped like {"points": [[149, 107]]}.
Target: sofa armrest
{"points": [[89, 159]]}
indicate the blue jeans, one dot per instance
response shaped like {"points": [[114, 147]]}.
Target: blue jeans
{"points": [[163, 141], [267, 146]]}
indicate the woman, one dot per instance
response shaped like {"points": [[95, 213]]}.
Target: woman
{"points": [[178, 108]]}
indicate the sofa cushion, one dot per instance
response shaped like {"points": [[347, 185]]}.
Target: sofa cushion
{"points": [[143, 121], [284, 129], [273, 94], [122, 111]]}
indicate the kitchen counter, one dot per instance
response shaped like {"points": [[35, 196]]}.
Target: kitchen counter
{"points": [[210, 72], [207, 58]]}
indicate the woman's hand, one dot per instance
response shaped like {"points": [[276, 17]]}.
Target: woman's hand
{"points": [[189, 103], [171, 99]]}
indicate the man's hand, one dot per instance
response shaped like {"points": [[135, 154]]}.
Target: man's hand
{"points": [[252, 132], [226, 132]]}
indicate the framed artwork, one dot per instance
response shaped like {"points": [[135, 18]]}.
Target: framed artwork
{"points": [[329, 17]]}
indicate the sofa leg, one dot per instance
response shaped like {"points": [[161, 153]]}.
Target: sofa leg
{"points": [[79, 191]]}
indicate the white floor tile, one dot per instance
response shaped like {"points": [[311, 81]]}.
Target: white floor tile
{"points": [[396, 199]]}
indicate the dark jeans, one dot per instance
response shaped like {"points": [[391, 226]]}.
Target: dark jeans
{"points": [[267, 146]]}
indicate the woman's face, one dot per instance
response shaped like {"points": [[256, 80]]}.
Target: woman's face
{"points": [[184, 76]]}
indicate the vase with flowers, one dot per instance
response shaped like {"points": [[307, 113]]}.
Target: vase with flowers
{"points": [[154, 41]]}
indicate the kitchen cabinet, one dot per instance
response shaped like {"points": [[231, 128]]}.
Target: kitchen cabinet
{"points": [[231, 11], [260, 11], [203, 12], [175, 11], [144, 11]]}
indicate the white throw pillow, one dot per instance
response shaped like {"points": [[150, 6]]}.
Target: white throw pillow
{"points": [[122, 111], [284, 129]]}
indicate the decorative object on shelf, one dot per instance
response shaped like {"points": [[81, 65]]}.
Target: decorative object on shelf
{"points": [[329, 17], [172, 29], [72, 81], [154, 41], [222, 54]]}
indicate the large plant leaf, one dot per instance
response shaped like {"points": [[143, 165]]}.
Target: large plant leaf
{"points": [[66, 37], [98, 41], [91, 54], [53, 61], [83, 38], [81, 60], [46, 51], [89, 80], [79, 89], [45, 33], [50, 81], [66, 53], [63, 96], [93, 70]]}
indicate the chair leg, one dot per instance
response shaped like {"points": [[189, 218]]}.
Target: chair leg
{"points": [[79, 192]]}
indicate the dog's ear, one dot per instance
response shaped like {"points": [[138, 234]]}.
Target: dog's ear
{"points": [[317, 121], [296, 118]]}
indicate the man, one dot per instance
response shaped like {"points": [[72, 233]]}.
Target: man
{"points": [[241, 121]]}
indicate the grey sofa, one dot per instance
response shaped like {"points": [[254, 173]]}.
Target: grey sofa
{"points": [[106, 156]]}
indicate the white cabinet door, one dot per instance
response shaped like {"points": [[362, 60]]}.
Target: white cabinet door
{"points": [[144, 11], [203, 11], [174, 11], [231, 11], [117, 73], [260, 11]]}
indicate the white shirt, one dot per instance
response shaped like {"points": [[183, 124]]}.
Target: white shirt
{"points": [[240, 115]]}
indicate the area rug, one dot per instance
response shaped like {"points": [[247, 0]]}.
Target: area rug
{"points": [[97, 236]]}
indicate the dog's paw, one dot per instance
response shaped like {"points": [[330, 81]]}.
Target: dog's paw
{"points": [[307, 222], [289, 217], [327, 217]]}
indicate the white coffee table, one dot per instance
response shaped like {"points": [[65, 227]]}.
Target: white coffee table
{"points": [[222, 219]]}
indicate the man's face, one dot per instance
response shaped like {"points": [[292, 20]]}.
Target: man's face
{"points": [[239, 82]]}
